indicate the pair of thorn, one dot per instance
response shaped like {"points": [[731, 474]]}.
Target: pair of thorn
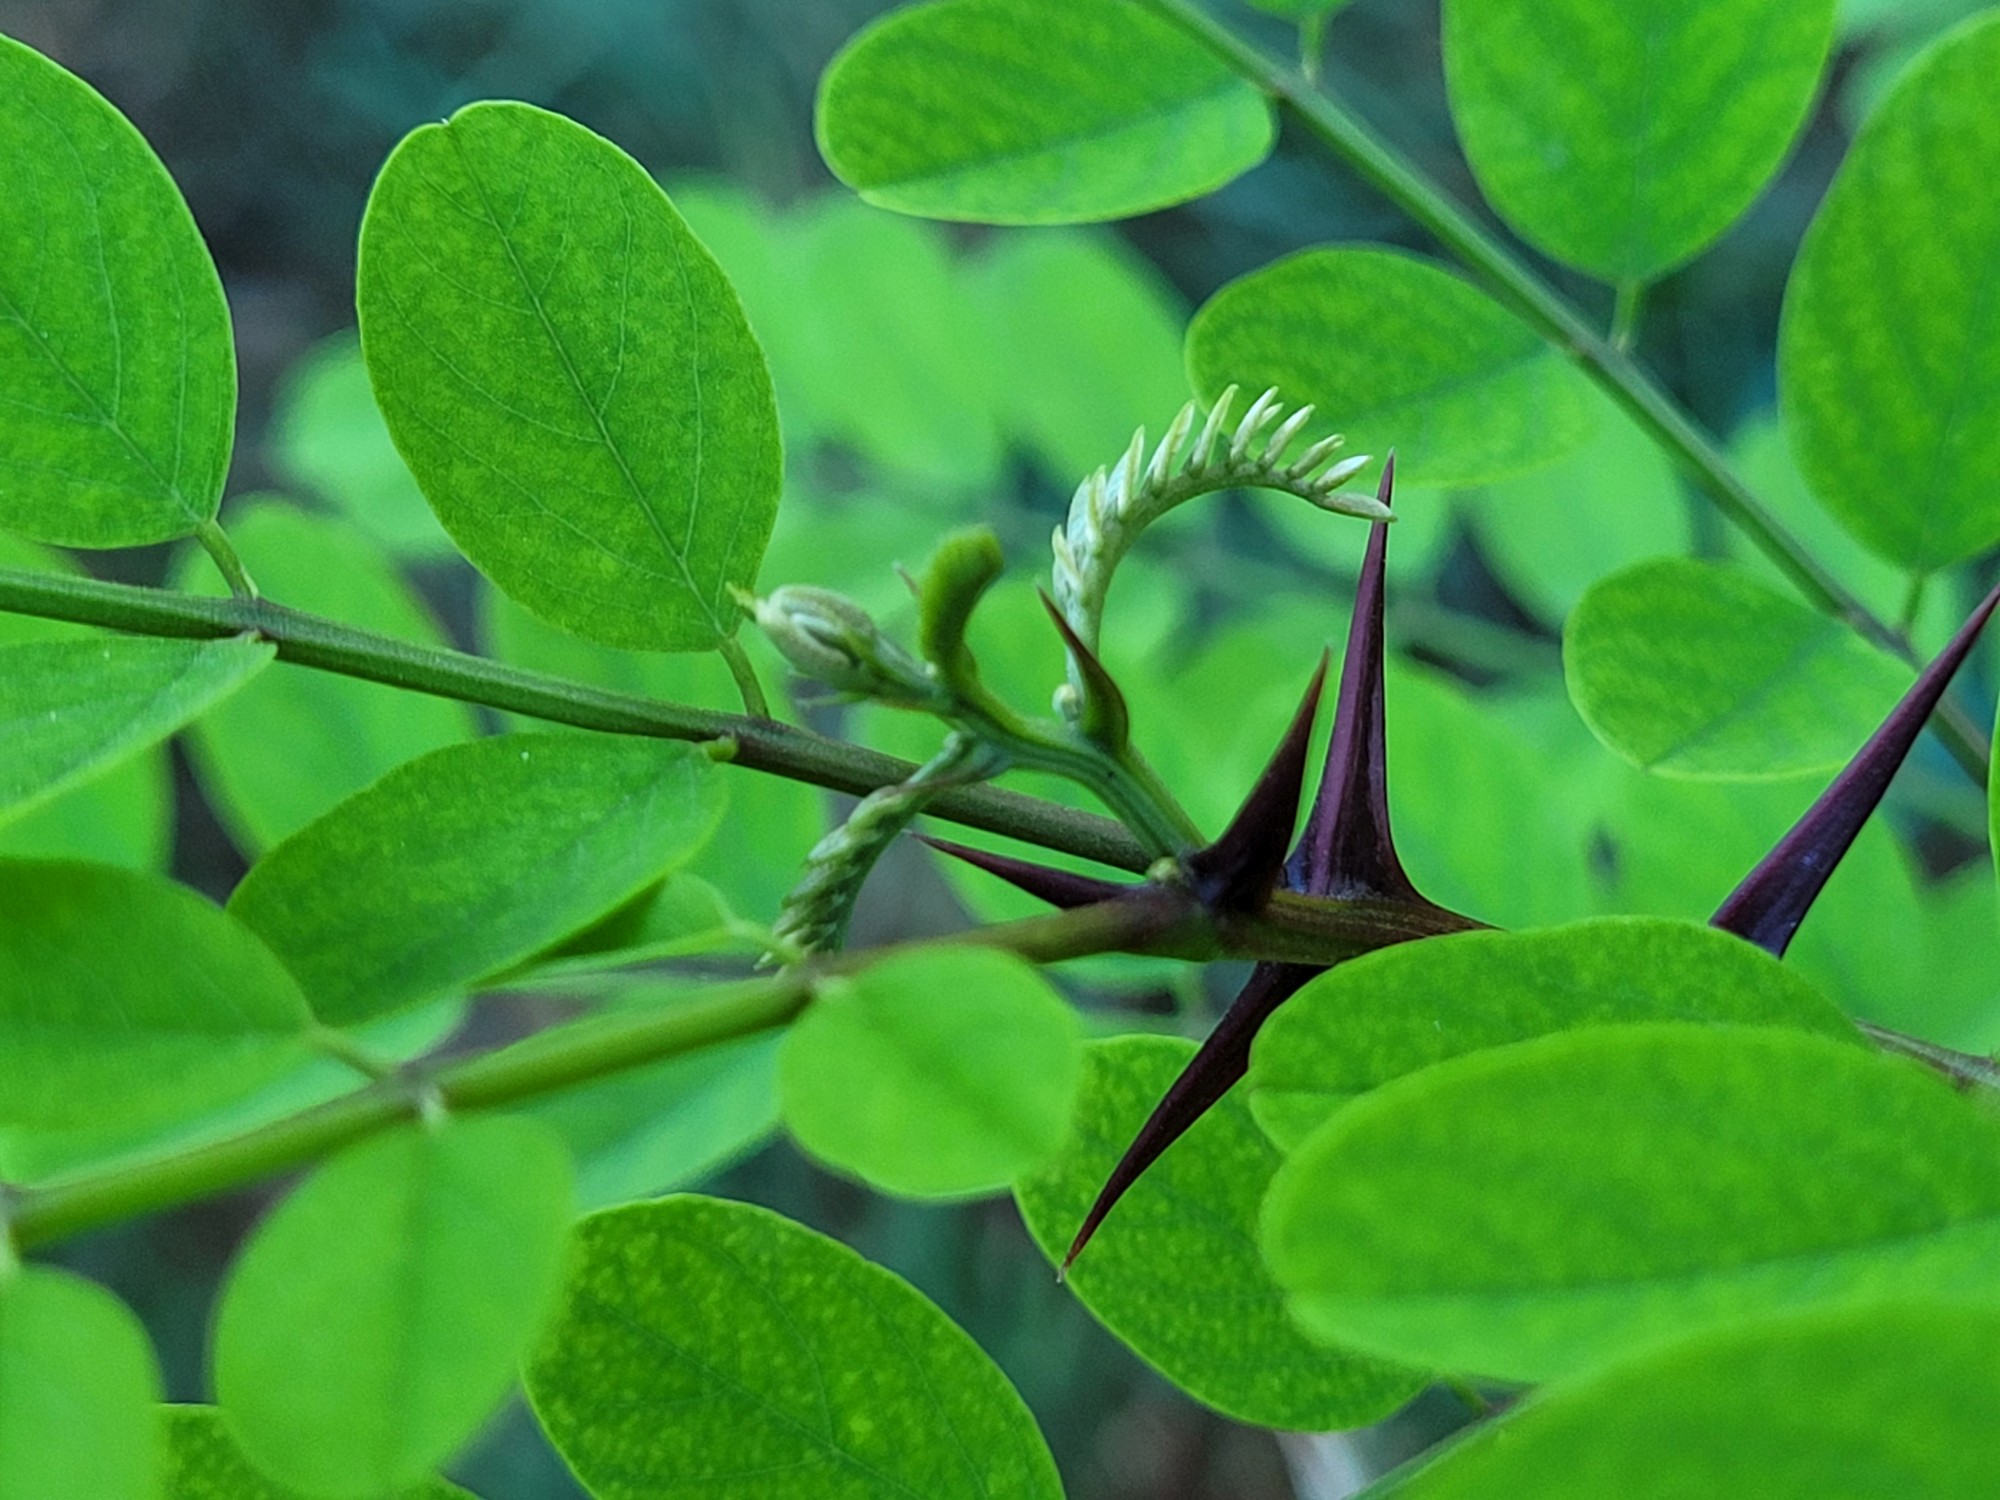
{"points": [[1346, 852]]}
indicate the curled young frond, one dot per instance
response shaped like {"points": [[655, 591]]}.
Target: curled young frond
{"points": [[1115, 504]]}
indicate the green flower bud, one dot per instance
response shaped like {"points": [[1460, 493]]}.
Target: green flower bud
{"points": [[831, 639]]}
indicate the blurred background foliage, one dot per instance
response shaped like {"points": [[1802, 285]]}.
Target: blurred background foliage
{"points": [[930, 375]]}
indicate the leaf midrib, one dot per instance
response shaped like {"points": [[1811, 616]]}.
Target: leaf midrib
{"points": [[610, 444]]}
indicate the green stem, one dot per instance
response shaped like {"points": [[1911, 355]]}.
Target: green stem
{"points": [[1509, 279], [344, 1049], [745, 672], [582, 1051], [1913, 600], [761, 744], [1625, 315], [215, 541], [1312, 45]]}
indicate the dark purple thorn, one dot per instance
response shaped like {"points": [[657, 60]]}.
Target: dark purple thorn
{"points": [[1210, 1073], [1773, 899], [1105, 717], [1059, 888], [1238, 872], [1346, 849]]}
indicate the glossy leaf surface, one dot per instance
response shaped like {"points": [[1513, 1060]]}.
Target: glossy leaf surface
{"points": [[77, 1392], [126, 999], [1623, 136], [471, 859], [569, 375], [203, 1462], [1900, 1399], [375, 1319], [713, 1344], [1175, 1271], [1632, 1183], [1394, 352], [115, 349], [70, 710], [1689, 669], [1889, 352], [934, 1074], [1035, 112], [1391, 1012], [298, 740]]}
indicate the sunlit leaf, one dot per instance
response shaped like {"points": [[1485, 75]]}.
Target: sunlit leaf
{"points": [[1035, 112], [1623, 136], [1688, 669], [126, 999], [375, 1319], [1395, 352], [569, 375], [1529, 1210], [716, 1345], [71, 710], [1892, 1400], [115, 348], [77, 1387], [1375, 1018], [934, 1074], [465, 862], [1889, 352], [1175, 1271], [203, 1462]]}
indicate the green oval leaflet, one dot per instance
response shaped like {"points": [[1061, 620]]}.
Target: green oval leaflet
{"points": [[413, 888], [72, 710], [1394, 352], [376, 1317], [203, 1462], [126, 999], [1634, 1183], [1175, 1271], [77, 1392], [1794, 1408], [934, 1075], [1887, 313], [1035, 112], [1623, 136], [115, 346], [713, 1342], [579, 395], [1386, 1014], [1688, 669]]}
